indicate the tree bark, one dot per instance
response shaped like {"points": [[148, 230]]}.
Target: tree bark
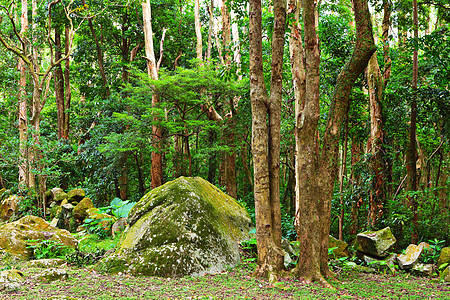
{"points": [[23, 116], [412, 151], [376, 140], [59, 86], [198, 30], [318, 169], [265, 136], [156, 168]]}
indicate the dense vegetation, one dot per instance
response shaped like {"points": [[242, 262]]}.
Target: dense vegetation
{"points": [[93, 123]]}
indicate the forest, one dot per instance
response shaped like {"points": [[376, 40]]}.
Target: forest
{"points": [[319, 117]]}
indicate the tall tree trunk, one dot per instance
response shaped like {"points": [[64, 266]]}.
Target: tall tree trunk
{"points": [[412, 151], [210, 29], [226, 32], [317, 170], [265, 135], [23, 116], [156, 171], [376, 140], [342, 175], [198, 30], [59, 86], [68, 91]]}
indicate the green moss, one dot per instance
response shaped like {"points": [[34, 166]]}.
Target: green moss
{"points": [[186, 226]]}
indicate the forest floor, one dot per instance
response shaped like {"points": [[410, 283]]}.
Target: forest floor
{"points": [[237, 283]]}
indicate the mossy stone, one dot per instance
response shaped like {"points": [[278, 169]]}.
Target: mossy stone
{"points": [[80, 210], [76, 195], [444, 257], [376, 243], [185, 227], [341, 248], [16, 236]]}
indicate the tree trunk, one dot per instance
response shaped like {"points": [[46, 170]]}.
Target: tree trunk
{"points": [[210, 29], [376, 140], [23, 116], [156, 171], [198, 30], [317, 170], [265, 136], [68, 91], [59, 86], [226, 32]]}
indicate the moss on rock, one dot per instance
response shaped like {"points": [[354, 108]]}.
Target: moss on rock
{"points": [[80, 210], [185, 227], [15, 236], [376, 243]]}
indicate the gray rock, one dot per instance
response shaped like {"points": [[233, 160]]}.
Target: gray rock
{"points": [[52, 275], [76, 195], [423, 270], [184, 227], [66, 219], [45, 263], [10, 280], [340, 248], [119, 226], [444, 257], [410, 258], [381, 265], [375, 243], [361, 269]]}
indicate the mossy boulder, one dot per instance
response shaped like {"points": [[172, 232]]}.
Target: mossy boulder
{"points": [[57, 195], [444, 257], [410, 257], [50, 275], [66, 219], [80, 210], [76, 195], [375, 243], [340, 248], [8, 207], [445, 275], [185, 227], [11, 280], [16, 236]]}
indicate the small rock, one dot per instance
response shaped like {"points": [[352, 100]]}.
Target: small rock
{"points": [[444, 257], [58, 195], [381, 264], [361, 269], [119, 226], [340, 251], [10, 280], [8, 207], [423, 270], [445, 275], [45, 263], [52, 275]]}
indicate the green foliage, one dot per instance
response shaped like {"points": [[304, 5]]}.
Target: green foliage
{"points": [[43, 249], [431, 254]]}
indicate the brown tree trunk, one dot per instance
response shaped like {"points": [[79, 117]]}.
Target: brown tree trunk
{"points": [[376, 140], [59, 86], [226, 32], [156, 171], [68, 91], [23, 116], [317, 170], [198, 30], [210, 29], [265, 135], [356, 152], [412, 151]]}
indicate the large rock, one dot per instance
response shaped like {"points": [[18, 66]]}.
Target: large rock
{"points": [[340, 248], [80, 210], [66, 219], [76, 195], [379, 264], [15, 236], [444, 257], [185, 227], [8, 207], [445, 275], [57, 195], [375, 243], [411, 257], [10, 280]]}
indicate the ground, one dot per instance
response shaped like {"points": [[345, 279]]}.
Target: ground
{"points": [[235, 283]]}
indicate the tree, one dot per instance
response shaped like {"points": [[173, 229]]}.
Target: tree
{"points": [[40, 74], [266, 118], [318, 164]]}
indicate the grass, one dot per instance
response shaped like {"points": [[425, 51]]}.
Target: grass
{"points": [[237, 283]]}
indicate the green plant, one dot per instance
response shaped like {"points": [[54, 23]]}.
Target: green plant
{"points": [[81, 259], [431, 254], [47, 249], [97, 226]]}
